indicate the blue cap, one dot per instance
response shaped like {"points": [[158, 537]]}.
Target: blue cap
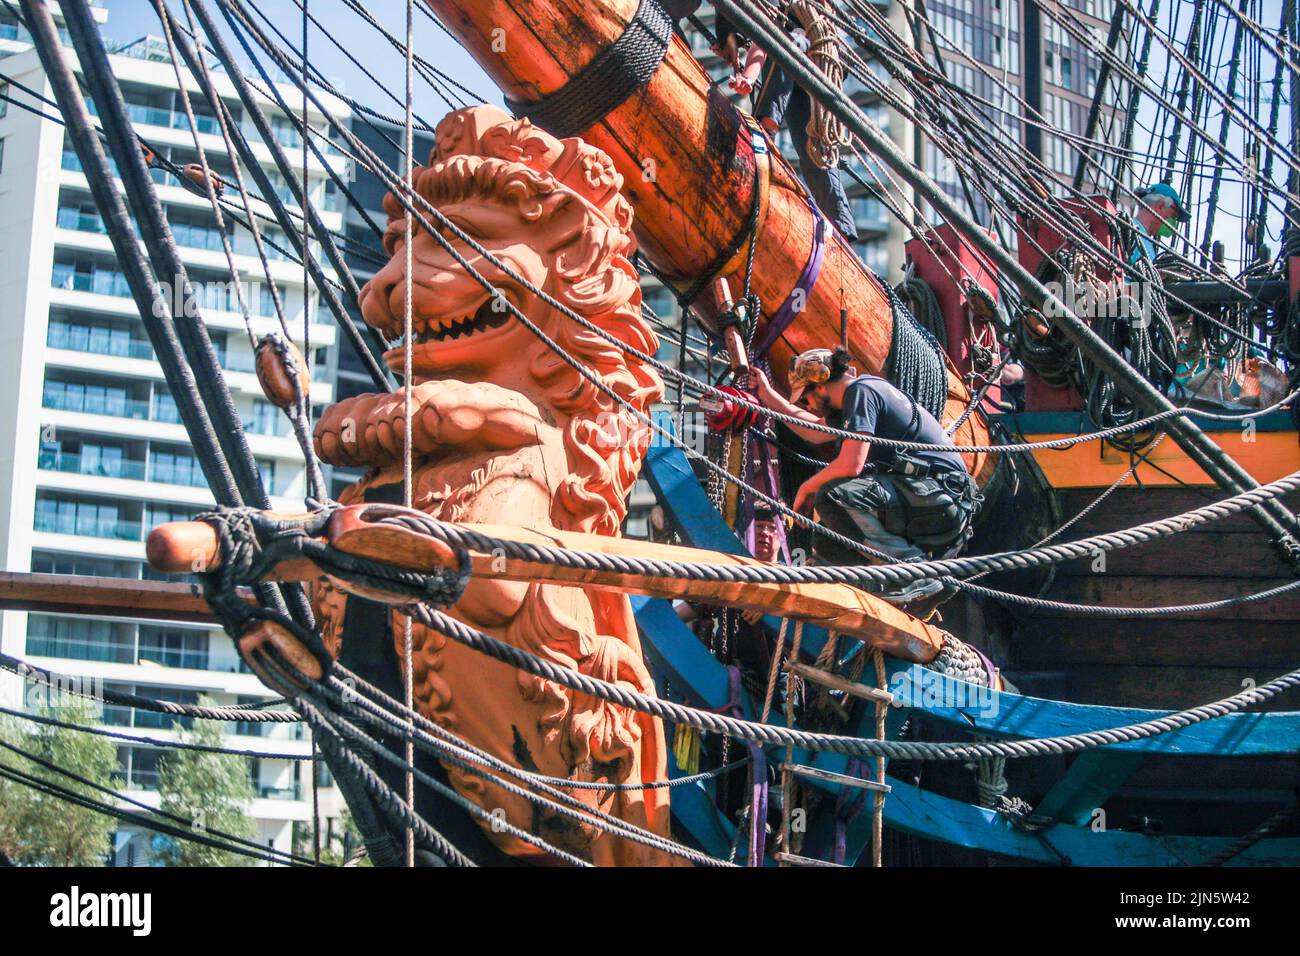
{"points": [[1167, 192]]}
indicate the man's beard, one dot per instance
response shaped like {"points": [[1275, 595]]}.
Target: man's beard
{"points": [[819, 405]]}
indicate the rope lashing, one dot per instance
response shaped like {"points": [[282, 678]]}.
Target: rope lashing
{"points": [[608, 81], [827, 136]]}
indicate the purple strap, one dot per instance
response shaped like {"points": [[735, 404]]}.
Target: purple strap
{"points": [[785, 315], [758, 767], [989, 667], [847, 809]]}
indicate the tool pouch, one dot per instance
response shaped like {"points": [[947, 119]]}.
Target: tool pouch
{"points": [[933, 514]]}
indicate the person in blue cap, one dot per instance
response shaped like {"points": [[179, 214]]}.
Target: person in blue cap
{"points": [[1160, 209]]}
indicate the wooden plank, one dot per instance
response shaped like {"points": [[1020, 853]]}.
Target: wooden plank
{"points": [[1132, 505], [1232, 778], [107, 597], [1150, 591], [1192, 554], [686, 506], [1093, 776], [1172, 687], [837, 779], [791, 859], [1270, 456], [1058, 642], [835, 682], [677, 655]]}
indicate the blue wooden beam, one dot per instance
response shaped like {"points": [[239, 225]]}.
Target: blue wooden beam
{"points": [[1087, 785]]}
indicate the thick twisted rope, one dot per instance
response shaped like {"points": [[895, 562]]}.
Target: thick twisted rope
{"points": [[834, 743], [895, 574], [827, 136], [65, 683], [458, 752]]}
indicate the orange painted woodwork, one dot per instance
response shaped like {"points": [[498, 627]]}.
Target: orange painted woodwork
{"points": [[1267, 456], [842, 608], [690, 174], [504, 431]]}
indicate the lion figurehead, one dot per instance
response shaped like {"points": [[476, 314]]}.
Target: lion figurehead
{"points": [[551, 211], [507, 429]]}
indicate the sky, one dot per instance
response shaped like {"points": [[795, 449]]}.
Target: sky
{"points": [[129, 19]]}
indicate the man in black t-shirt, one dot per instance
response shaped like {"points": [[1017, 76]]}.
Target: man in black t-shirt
{"points": [[909, 505]]}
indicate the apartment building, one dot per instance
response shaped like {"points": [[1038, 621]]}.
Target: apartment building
{"points": [[1038, 61], [92, 452]]}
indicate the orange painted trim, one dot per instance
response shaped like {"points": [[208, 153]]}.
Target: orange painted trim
{"points": [[1272, 455]]}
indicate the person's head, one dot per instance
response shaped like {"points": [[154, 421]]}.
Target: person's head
{"points": [[765, 539], [818, 378], [1160, 209]]}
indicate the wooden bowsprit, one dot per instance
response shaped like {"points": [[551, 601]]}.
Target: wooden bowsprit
{"points": [[177, 546]]}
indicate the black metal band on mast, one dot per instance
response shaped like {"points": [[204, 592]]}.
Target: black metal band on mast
{"points": [[154, 309], [286, 170], [1280, 523]]}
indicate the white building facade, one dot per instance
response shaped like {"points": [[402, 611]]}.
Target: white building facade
{"points": [[92, 452]]}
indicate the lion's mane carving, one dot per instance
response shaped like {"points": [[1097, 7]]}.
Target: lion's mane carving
{"points": [[506, 431]]}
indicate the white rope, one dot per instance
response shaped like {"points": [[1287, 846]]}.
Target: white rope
{"points": [[408, 680]]}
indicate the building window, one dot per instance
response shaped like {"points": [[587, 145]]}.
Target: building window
{"points": [[174, 647], [2, 156], [80, 639]]}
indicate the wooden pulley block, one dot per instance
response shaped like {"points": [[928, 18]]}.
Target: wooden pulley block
{"points": [[266, 643], [282, 372]]}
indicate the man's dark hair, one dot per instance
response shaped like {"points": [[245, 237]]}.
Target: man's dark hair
{"points": [[840, 362]]}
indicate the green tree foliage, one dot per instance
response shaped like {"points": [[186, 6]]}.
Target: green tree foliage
{"points": [[340, 841], [211, 790], [38, 829]]}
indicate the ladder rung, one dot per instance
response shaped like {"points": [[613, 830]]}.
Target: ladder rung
{"points": [[835, 682], [793, 860], [831, 776]]}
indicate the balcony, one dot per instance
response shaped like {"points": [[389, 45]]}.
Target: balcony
{"points": [[97, 340], [87, 526], [94, 403], [99, 281], [92, 465], [184, 472], [279, 793]]}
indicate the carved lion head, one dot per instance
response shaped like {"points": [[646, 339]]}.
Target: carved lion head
{"points": [[550, 210]]}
